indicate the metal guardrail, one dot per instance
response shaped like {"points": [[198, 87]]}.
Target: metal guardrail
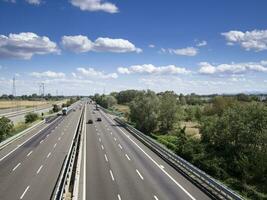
{"points": [[212, 187], [66, 171]]}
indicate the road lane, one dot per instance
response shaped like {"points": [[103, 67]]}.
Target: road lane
{"points": [[40, 162]]}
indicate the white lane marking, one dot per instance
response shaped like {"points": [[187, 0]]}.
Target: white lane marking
{"points": [[110, 133], [102, 147], [48, 155], [127, 157], [21, 144], [140, 175], [27, 188], [59, 138], [29, 153], [41, 141], [16, 166], [120, 146], [162, 166], [155, 197], [119, 197], [99, 139], [111, 174], [115, 139], [55, 145], [47, 135], [39, 169], [106, 158], [165, 172]]}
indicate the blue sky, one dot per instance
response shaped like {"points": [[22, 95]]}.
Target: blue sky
{"points": [[87, 46]]}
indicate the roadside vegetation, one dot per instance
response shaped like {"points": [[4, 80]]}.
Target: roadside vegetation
{"points": [[226, 136]]}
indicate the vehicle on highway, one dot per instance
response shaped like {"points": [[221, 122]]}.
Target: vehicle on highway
{"points": [[64, 111], [89, 121], [99, 119]]}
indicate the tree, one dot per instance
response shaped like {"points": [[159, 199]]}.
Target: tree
{"points": [[6, 125], [168, 111], [31, 117], [56, 108], [144, 111]]}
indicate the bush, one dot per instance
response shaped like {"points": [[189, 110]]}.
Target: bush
{"points": [[31, 117], [6, 125]]}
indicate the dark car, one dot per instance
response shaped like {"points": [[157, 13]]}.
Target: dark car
{"points": [[90, 121], [99, 119]]}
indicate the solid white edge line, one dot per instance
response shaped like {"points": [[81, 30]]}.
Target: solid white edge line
{"points": [[166, 173], [22, 143], [84, 157], [27, 188]]}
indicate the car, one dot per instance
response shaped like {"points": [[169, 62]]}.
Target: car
{"points": [[90, 121], [99, 119]]}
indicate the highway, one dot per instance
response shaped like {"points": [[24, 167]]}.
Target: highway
{"points": [[30, 166], [117, 166]]}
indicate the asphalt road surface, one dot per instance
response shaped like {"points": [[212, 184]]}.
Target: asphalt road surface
{"points": [[30, 166], [118, 166]]}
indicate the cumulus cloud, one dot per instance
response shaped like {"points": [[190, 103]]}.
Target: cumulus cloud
{"points": [[234, 68], [151, 69], [95, 5], [25, 45], [188, 51], [80, 44], [202, 43], [48, 74], [91, 72], [151, 46], [34, 2], [250, 40]]}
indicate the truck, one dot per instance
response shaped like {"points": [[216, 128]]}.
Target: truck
{"points": [[64, 111]]}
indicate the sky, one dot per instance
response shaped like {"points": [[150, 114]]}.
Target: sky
{"points": [[82, 47]]}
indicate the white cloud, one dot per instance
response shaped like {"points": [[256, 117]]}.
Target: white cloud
{"points": [[188, 51], [25, 45], [34, 2], [234, 68], [250, 40], [151, 69], [202, 43], [95, 5], [91, 72], [48, 74], [80, 43], [151, 46]]}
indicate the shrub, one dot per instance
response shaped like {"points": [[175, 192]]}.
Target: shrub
{"points": [[31, 117]]}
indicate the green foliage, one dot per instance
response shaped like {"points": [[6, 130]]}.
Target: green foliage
{"points": [[168, 111], [56, 108], [144, 111], [105, 101], [31, 117], [127, 96], [6, 126]]}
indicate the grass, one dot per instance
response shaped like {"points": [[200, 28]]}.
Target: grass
{"points": [[122, 108], [4, 104], [191, 129]]}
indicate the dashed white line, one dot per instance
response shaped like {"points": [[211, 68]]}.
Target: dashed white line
{"points": [[41, 141], [139, 174], [115, 139], [106, 158], [16, 166], [39, 169], [47, 135], [99, 139], [127, 157], [155, 197], [110, 133], [48, 155], [120, 146], [111, 174], [102, 147], [27, 188], [119, 197], [55, 145], [29, 153], [59, 138]]}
